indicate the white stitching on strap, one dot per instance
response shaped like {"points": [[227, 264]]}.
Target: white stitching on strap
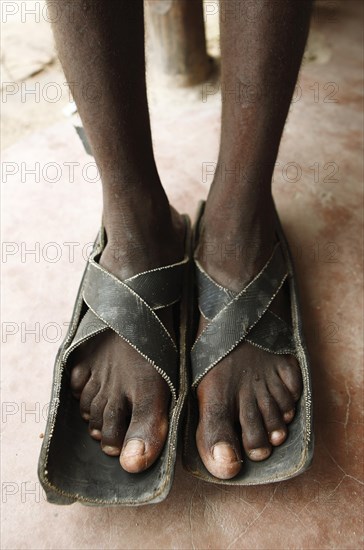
{"points": [[238, 295], [121, 283], [195, 383], [158, 369]]}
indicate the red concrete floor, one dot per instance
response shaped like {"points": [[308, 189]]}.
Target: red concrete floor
{"points": [[318, 190]]}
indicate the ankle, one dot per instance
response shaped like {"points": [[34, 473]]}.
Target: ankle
{"points": [[142, 239], [240, 216], [130, 212], [234, 248]]}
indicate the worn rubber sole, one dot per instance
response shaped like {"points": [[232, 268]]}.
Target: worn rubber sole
{"points": [[72, 467], [295, 455]]}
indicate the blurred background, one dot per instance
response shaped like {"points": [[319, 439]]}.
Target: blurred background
{"points": [[34, 90]]}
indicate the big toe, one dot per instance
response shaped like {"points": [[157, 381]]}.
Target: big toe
{"points": [[217, 442], [144, 439]]}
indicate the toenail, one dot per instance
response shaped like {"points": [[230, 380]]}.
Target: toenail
{"points": [[259, 454], [96, 434], [277, 436], [287, 416], [86, 416], [134, 447], [109, 450], [223, 452]]}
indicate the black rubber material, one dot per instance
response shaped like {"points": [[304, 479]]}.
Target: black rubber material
{"points": [[295, 455], [72, 466]]}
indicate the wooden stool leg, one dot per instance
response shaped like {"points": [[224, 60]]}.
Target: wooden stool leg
{"points": [[177, 33]]}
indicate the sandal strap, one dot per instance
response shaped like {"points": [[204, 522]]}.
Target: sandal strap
{"points": [[127, 307], [271, 333], [212, 297], [234, 317], [160, 287]]}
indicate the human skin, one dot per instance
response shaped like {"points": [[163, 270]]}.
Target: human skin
{"points": [[248, 399]]}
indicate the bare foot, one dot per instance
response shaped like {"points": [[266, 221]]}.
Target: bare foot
{"points": [[122, 396], [248, 398]]}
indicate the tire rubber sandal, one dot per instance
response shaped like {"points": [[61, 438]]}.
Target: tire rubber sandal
{"points": [[72, 466], [234, 317]]}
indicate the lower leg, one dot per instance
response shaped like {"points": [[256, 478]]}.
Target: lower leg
{"points": [[261, 55], [261, 47], [101, 47]]}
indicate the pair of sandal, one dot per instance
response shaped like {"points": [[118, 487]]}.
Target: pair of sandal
{"points": [[72, 466]]}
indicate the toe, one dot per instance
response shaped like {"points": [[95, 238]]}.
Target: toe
{"points": [[217, 441], [254, 434], [282, 396], [290, 374], [87, 396], [113, 428], [289, 415], [145, 437], [272, 418], [96, 415], [79, 377]]}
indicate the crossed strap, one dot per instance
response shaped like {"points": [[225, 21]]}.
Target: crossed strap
{"points": [[128, 308], [234, 317]]}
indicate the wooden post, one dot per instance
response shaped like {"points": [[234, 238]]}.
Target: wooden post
{"points": [[176, 31]]}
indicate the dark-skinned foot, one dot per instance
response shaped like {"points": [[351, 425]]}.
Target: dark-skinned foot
{"points": [[123, 398], [248, 398]]}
